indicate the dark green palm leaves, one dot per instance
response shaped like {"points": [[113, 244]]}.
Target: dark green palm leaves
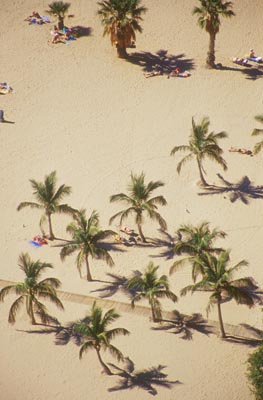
{"points": [[48, 198], [97, 335], [202, 144], [139, 202], [86, 240], [31, 290], [59, 9], [151, 287]]}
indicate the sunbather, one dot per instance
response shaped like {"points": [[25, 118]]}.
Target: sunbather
{"points": [[125, 229], [177, 73], [240, 150], [240, 61], [153, 73]]}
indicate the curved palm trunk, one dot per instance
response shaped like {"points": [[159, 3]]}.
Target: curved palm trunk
{"points": [[210, 61], [30, 311], [89, 277], [141, 233], [51, 233], [203, 181], [60, 22], [104, 366], [220, 319]]}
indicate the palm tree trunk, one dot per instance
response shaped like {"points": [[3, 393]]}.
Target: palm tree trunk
{"points": [[31, 312], [121, 45], [140, 233], [51, 233], [60, 23], [153, 313], [210, 61], [220, 319], [203, 181], [89, 277], [104, 366]]}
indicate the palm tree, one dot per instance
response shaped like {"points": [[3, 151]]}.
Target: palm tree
{"points": [[202, 144], [258, 146], [151, 287], [48, 199], [209, 14], [86, 237], [121, 19], [139, 201], [59, 9], [31, 290], [218, 278], [194, 241], [98, 336]]}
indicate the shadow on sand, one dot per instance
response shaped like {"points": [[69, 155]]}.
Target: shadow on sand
{"points": [[184, 325], [117, 283], [160, 60], [145, 379], [251, 72], [243, 190]]}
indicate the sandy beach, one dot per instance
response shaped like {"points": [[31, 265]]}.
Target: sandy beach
{"points": [[95, 119]]}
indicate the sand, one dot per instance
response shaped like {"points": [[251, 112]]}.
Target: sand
{"points": [[94, 118]]}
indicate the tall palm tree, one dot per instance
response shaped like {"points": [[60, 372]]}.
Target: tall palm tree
{"points": [[59, 9], [31, 290], [202, 144], [209, 13], [151, 287], [218, 278], [258, 146], [86, 236], [194, 241], [98, 337], [139, 202], [121, 19], [48, 199]]}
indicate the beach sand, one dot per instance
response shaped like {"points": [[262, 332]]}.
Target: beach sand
{"points": [[93, 118]]}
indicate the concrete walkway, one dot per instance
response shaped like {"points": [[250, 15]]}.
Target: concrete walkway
{"points": [[239, 333]]}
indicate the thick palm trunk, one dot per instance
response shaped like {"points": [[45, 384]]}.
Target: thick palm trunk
{"points": [[104, 366], [121, 45], [60, 22], [153, 314], [51, 233], [210, 61], [89, 277], [141, 233], [220, 319], [203, 181]]}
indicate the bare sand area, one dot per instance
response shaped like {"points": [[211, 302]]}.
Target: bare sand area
{"points": [[93, 118]]}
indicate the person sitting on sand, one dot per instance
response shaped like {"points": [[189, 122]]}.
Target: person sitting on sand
{"points": [[253, 57], [241, 150], [56, 36], [177, 73], [240, 61]]}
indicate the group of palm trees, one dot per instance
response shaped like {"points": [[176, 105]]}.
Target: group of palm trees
{"points": [[121, 20]]}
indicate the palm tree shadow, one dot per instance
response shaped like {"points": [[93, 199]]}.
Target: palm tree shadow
{"points": [[243, 190], [63, 334], [82, 31], [244, 341], [184, 325], [118, 283], [160, 60], [168, 242], [145, 379], [250, 71]]}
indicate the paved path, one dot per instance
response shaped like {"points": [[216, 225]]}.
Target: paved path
{"points": [[240, 332]]}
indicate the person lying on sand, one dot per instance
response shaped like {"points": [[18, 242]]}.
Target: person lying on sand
{"points": [[241, 150], [36, 18], [127, 230], [177, 73], [153, 73], [240, 61], [5, 88]]}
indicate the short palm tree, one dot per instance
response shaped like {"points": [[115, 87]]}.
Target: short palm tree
{"points": [[209, 13], [121, 19], [258, 146], [59, 9], [31, 290], [194, 241], [218, 278], [98, 337], [151, 287], [202, 144], [139, 202], [86, 236], [48, 199]]}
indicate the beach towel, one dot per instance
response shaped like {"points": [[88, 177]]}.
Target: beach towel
{"points": [[45, 19], [35, 244]]}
